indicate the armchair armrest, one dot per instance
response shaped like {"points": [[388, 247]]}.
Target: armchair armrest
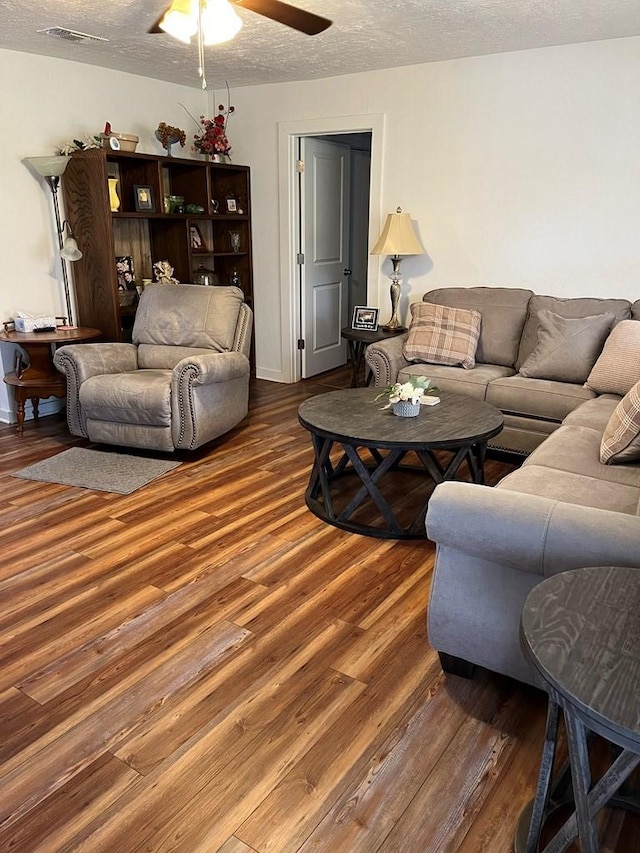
{"points": [[209, 396], [386, 360], [80, 361], [530, 533]]}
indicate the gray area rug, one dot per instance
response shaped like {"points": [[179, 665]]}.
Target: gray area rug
{"points": [[95, 469]]}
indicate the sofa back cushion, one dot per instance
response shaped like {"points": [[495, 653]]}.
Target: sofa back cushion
{"points": [[191, 316], [503, 311], [635, 310], [442, 335], [618, 366], [582, 307], [567, 346]]}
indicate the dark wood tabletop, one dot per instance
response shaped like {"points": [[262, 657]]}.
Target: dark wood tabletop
{"points": [[581, 630], [353, 415]]}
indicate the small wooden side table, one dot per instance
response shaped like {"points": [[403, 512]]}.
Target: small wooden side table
{"points": [[358, 340], [581, 632], [40, 379]]}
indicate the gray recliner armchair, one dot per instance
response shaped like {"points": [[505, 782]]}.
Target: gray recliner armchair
{"points": [[182, 382]]}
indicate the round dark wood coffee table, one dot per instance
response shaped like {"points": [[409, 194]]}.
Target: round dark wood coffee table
{"points": [[373, 443]]}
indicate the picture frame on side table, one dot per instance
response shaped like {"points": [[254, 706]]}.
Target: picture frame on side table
{"points": [[365, 318], [143, 198]]}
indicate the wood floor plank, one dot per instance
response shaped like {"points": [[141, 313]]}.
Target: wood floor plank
{"points": [[71, 808], [368, 810], [205, 666], [78, 741]]}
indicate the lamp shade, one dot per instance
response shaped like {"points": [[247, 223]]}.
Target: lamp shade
{"points": [[220, 22], [49, 167], [70, 250], [218, 19], [398, 237]]}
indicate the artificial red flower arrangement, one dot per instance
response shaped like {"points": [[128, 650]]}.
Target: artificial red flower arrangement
{"points": [[213, 138]]}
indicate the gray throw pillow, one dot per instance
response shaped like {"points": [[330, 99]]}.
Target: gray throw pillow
{"points": [[567, 347]]}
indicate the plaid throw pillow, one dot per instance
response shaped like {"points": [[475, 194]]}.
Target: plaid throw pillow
{"points": [[621, 438], [442, 335]]}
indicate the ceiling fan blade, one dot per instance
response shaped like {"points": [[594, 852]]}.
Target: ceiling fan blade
{"points": [[283, 13], [155, 28]]}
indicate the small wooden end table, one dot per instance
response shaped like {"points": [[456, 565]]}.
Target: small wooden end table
{"points": [[581, 632], [40, 379], [358, 340]]}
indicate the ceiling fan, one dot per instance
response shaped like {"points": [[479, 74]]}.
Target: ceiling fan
{"points": [[276, 10], [215, 21]]}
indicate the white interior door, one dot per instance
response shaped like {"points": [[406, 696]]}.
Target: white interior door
{"points": [[324, 239]]}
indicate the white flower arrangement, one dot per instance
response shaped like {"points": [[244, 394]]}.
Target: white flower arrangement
{"points": [[414, 390]]}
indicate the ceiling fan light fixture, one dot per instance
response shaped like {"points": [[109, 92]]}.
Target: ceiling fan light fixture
{"points": [[220, 22], [181, 20]]}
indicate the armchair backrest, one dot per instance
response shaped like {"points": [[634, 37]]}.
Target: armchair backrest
{"points": [[174, 321]]}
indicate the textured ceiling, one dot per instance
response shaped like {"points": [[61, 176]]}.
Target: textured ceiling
{"points": [[366, 35]]}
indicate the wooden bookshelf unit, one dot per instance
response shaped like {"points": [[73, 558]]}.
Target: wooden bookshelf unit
{"points": [[148, 229]]}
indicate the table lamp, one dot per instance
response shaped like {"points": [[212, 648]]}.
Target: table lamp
{"points": [[398, 238]]}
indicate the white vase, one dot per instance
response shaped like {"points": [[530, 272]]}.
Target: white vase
{"points": [[406, 409]]}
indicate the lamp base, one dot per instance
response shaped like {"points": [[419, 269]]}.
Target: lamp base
{"points": [[394, 326]]}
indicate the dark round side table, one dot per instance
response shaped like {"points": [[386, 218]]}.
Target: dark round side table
{"points": [[358, 340], [581, 632]]}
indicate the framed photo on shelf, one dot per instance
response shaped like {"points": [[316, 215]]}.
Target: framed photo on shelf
{"points": [[143, 198], [232, 205], [365, 318], [124, 272], [196, 240]]}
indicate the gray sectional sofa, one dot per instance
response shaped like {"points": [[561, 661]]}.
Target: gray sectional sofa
{"points": [[562, 509], [533, 408]]}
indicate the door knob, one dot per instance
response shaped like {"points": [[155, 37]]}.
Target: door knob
{"points": [[346, 272]]}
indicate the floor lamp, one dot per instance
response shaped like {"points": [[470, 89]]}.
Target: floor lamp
{"points": [[398, 238], [51, 169]]}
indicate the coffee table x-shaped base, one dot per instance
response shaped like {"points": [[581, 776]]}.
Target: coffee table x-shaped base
{"points": [[319, 492]]}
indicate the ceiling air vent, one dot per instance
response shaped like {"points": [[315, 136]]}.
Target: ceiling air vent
{"points": [[70, 35]]}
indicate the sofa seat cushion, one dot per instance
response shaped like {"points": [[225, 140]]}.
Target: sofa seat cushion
{"points": [[473, 382], [618, 367], [621, 437], [573, 488], [581, 307], [576, 449], [567, 347], [503, 311], [540, 398], [143, 397], [442, 335], [594, 413]]}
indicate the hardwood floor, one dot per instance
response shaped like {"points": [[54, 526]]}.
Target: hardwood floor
{"points": [[204, 665]]}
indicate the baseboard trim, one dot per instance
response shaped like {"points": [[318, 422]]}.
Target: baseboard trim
{"points": [[46, 407]]}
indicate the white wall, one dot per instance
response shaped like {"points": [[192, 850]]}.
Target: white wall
{"points": [[43, 104], [520, 169]]}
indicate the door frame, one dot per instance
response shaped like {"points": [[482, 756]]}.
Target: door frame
{"points": [[288, 134]]}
